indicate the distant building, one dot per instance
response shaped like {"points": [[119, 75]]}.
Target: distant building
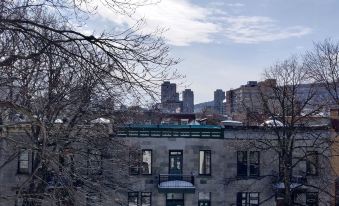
{"points": [[188, 101], [246, 96], [169, 92], [219, 96]]}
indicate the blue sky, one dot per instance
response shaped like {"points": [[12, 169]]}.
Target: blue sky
{"points": [[225, 43]]}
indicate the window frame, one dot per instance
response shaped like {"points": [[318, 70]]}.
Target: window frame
{"points": [[94, 171], [143, 195], [247, 198], [250, 164], [307, 198], [20, 169], [130, 194], [309, 163], [142, 161], [244, 166], [202, 201], [210, 162], [134, 163]]}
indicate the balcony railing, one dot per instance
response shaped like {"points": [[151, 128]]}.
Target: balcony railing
{"points": [[176, 183], [171, 131]]}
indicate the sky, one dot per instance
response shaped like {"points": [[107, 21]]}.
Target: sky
{"points": [[225, 43]]}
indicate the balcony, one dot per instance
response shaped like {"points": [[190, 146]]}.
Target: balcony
{"points": [[176, 183], [297, 183]]}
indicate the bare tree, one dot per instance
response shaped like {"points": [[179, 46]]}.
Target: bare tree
{"points": [[60, 87], [322, 64], [287, 110]]}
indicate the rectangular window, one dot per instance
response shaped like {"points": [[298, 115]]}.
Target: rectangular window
{"points": [[312, 163], [146, 199], [254, 163], [312, 199], [94, 162], [247, 199], [146, 165], [242, 163], [248, 163], [36, 160], [133, 199], [134, 163], [23, 161], [204, 199], [205, 162]]}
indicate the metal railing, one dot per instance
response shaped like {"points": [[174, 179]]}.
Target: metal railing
{"points": [[161, 131], [173, 177]]}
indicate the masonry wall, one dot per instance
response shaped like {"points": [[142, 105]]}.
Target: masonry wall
{"points": [[223, 183]]}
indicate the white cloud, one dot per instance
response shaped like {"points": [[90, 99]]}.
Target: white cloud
{"points": [[236, 5], [256, 29], [187, 23]]}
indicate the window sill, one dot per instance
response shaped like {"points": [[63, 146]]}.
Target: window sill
{"points": [[247, 177], [204, 175]]}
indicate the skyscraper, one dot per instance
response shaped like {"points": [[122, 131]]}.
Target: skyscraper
{"points": [[219, 96], [169, 92], [188, 101]]}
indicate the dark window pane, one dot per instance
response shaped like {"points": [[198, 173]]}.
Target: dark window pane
{"points": [[254, 163], [134, 163], [312, 199], [242, 163], [312, 163]]}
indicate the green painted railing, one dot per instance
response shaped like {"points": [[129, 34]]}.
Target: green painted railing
{"points": [[171, 131]]}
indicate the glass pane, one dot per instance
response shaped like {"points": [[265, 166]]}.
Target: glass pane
{"points": [[24, 155], [146, 199], [146, 162], [174, 196]]}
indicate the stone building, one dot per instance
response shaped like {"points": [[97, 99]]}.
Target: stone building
{"points": [[183, 166]]}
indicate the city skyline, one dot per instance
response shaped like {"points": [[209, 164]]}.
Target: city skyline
{"points": [[234, 40]]}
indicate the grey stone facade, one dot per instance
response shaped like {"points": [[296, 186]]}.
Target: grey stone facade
{"points": [[223, 183]]}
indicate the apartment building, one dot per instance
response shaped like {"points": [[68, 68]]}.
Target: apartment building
{"points": [[169, 165]]}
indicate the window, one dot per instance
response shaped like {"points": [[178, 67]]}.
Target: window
{"points": [[146, 199], [248, 163], [312, 163], [133, 199], [254, 163], [35, 160], [205, 162], [176, 199], [94, 162], [204, 199], [242, 163], [312, 199], [247, 199], [23, 161], [146, 165], [134, 163]]}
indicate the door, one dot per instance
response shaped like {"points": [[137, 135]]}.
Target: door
{"points": [[175, 162], [204, 203], [174, 199], [175, 203]]}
